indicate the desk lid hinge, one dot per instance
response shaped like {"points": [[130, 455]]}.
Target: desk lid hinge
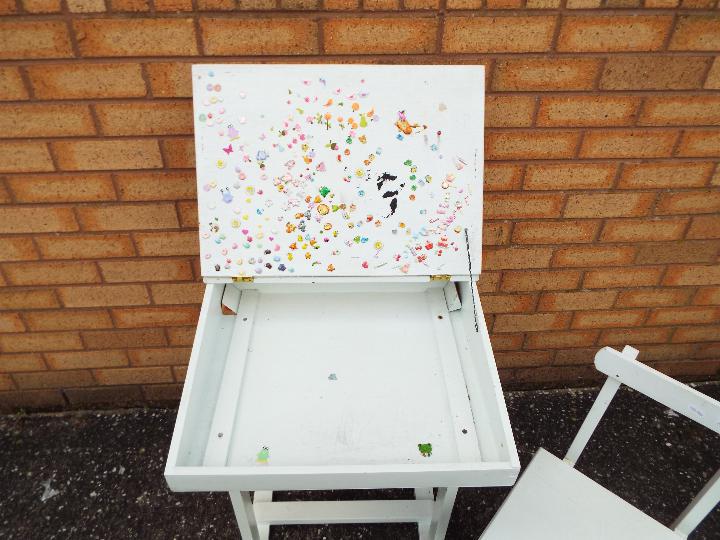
{"points": [[243, 279], [440, 277]]}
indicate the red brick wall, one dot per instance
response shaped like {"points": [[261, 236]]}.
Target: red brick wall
{"points": [[602, 212]]}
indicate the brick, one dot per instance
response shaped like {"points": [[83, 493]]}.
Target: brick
{"points": [[653, 298], [508, 303], [128, 217], [502, 176], [561, 176], [90, 246], [340, 4], [31, 400], [683, 315], [39, 321], [380, 36], [689, 370], [517, 257], [576, 300], [129, 5], [177, 293], [506, 342], [665, 175], [181, 335], [634, 230], [25, 157], [692, 275], [118, 339], [488, 282], [188, 214], [253, 4], [12, 87], [496, 234], [380, 5], [86, 6], [608, 205], [43, 188], [36, 219], [6, 382], [704, 227], [498, 34], [34, 39], [543, 4], [700, 144], [136, 37], [678, 252], [555, 232], [146, 270], [170, 79], [156, 186], [696, 33], [591, 256], [86, 359], [44, 341], [613, 33], [707, 296], [115, 396], [503, 4], [105, 295], [653, 73], [693, 334], [509, 111], [665, 352], [681, 111], [539, 280], [421, 4], [179, 153], [159, 357], [11, 363], [220, 5], [42, 6], [167, 243], [464, 4], [705, 350], [11, 322], [51, 273], [567, 111], [83, 81], [103, 155], [152, 118], [17, 249], [27, 299], [608, 319], [141, 375], [179, 372], [622, 277], [692, 202], [522, 205], [545, 74], [259, 36], [155, 316], [515, 359], [628, 144], [634, 336], [54, 379], [582, 4], [562, 339], [166, 393], [712, 82], [566, 357], [531, 323], [549, 375], [530, 144]]}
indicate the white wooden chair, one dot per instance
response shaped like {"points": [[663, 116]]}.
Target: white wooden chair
{"points": [[552, 500]]}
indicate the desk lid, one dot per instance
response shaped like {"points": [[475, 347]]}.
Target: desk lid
{"points": [[339, 170]]}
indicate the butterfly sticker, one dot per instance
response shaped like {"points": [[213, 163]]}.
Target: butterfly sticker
{"points": [[228, 150]]}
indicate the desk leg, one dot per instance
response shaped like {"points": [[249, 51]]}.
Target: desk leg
{"points": [[444, 502], [424, 494], [263, 528], [245, 515]]}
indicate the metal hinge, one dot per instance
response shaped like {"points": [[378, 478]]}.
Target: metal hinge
{"points": [[243, 279], [440, 277]]}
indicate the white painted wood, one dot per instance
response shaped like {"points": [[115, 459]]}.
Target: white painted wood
{"points": [[554, 501], [442, 509], [221, 433], [658, 386], [424, 494], [452, 299], [231, 297], [245, 515], [372, 511], [266, 497], [701, 506], [261, 151], [602, 402]]}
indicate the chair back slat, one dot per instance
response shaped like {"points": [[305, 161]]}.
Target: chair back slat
{"points": [[701, 506], [658, 386]]}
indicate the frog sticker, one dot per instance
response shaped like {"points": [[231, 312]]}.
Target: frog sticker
{"points": [[425, 449]]}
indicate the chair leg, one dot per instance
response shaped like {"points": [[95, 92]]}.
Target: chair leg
{"points": [[444, 502], [245, 515]]}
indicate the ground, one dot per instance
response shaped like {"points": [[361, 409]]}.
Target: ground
{"points": [[100, 474]]}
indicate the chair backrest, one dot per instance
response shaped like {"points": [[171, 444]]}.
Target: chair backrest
{"points": [[623, 368]]}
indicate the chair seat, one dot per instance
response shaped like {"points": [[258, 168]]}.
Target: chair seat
{"points": [[554, 501]]}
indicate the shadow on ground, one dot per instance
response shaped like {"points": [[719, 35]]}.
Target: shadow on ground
{"points": [[99, 475]]}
